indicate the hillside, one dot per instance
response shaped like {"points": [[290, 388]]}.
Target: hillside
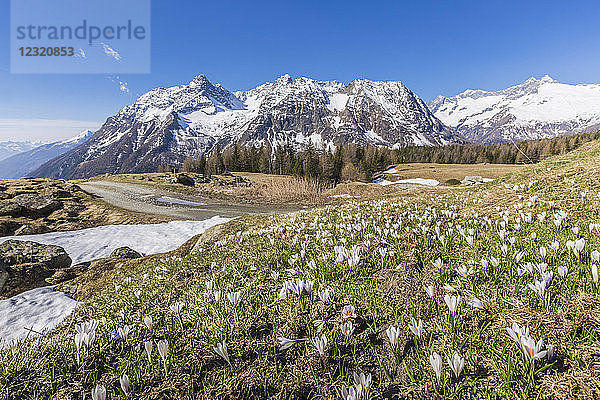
{"points": [[500, 278]]}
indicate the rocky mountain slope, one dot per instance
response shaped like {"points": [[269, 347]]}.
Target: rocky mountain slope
{"points": [[21, 164], [166, 125], [535, 109]]}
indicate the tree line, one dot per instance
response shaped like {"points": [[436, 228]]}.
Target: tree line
{"points": [[354, 162]]}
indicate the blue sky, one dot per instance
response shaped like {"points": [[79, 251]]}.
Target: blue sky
{"points": [[434, 47]]}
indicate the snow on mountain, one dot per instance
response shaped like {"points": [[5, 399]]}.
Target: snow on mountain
{"points": [[11, 148], [537, 108], [23, 163], [165, 125]]}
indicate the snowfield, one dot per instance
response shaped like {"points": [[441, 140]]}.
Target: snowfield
{"points": [[93, 243], [31, 313]]}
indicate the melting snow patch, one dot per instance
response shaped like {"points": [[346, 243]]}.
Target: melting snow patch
{"points": [[488, 180], [172, 200], [342, 196], [93, 243], [420, 181], [415, 181], [36, 311], [383, 182], [392, 170]]}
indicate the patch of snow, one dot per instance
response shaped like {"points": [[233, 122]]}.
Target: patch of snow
{"points": [[337, 101], [172, 200], [343, 196], [488, 179], [93, 243], [420, 181], [392, 170], [414, 181], [40, 310]]}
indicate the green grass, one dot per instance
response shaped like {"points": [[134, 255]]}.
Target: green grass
{"points": [[384, 291]]}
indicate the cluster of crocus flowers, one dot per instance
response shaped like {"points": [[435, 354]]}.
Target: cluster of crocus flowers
{"points": [[531, 349], [85, 336]]}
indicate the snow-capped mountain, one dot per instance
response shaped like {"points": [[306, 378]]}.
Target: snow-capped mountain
{"points": [[11, 148], [535, 109], [166, 125], [20, 165]]}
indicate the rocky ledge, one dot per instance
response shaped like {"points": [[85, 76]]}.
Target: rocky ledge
{"points": [[32, 206]]}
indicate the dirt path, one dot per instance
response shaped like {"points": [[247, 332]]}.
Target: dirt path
{"points": [[153, 201]]}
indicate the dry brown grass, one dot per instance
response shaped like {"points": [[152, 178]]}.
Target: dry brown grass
{"points": [[444, 172]]}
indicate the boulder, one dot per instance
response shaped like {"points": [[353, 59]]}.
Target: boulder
{"points": [[37, 205], [31, 229], [10, 208], [472, 180], [23, 277], [125, 252], [14, 252], [182, 179]]}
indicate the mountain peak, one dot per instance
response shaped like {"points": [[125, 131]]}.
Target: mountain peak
{"points": [[200, 80], [285, 78]]}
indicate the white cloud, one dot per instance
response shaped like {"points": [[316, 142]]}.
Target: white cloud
{"points": [[45, 130], [123, 87], [110, 51]]}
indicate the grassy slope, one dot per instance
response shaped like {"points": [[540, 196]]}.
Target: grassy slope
{"points": [[385, 291]]}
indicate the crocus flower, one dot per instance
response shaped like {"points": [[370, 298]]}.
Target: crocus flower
{"points": [[436, 363], [595, 273], [221, 350], [99, 393], [348, 312], [347, 329], [563, 272], [320, 344], [475, 302], [148, 347], [148, 322], [430, 290], [234, 298], [452, 302], [457, 363], [124, 332], [416, 328], [285, 343], [176, 307], [163, 350], [393, 334], [125, 384], [532, 349], [324, 295], [363, 380]]}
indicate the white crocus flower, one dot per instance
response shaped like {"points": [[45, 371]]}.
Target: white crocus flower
{"points": [[99, 393], [221, 350], [457, 364], [436, 363]]}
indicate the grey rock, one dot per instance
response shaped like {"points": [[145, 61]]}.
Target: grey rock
{"points": [[14, 252], [125, 252], [31, 229], [10, 208], [36, 204], [182, 179], [472, 180]]}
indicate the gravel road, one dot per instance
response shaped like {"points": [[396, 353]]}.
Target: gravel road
{"points": [[155, 201]]}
